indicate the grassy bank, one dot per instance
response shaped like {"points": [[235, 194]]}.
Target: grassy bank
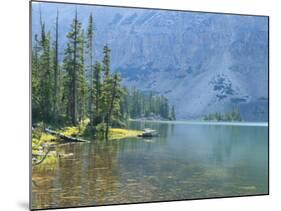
{"points": [[42, 141], [121, 133], [114, 133]]}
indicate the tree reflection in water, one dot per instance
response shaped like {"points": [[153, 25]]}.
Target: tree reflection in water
{"points": [[184, 162]]}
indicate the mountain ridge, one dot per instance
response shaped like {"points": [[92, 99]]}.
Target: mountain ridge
{"points": [[202, 62]]}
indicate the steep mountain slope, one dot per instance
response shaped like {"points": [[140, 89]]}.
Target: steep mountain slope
{"points": [[202, 62]]}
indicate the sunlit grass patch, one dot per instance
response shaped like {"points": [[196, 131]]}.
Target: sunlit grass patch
{"points": [[46, 137], [40, 143], [75, 130], [39, 138], [120, 133], [69, 131]]}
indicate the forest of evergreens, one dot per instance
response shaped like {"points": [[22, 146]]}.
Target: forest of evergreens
{"points": [[62, 95], [233, 115], [137, 104]]}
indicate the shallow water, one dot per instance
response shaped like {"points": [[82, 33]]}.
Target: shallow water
{"points": [[186, 161]]}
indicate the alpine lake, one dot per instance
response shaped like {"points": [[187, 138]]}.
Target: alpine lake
{"points": [[188, 160]]}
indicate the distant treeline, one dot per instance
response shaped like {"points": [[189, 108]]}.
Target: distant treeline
{"points": [[138, 104], [233, 115], [63, 95]]}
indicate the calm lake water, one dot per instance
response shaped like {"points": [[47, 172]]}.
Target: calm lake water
{"points": [[186, 161]]}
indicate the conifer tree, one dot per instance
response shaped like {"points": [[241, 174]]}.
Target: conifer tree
{"points": [[81, 83], [73, 66], [56, 88], [106, 61], [173, 113], [114, 84], [45, 70], [96, 92], [90, 53], [35, 79], [106, 89]]}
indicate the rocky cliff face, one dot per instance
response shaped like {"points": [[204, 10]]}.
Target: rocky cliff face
{"points": [[202, 62]]}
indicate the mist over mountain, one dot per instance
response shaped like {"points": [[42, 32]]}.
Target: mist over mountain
{"points": [[203, 63]]}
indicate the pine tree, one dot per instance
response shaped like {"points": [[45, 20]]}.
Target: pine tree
{"points": [[173, 113], [73, 66], [45, 70], [90, 52], [114, 101], [67, 85], [135, 103], [106, 61], [81, 83], [56, 88], [96, 94], [35, 79], [111, 93], [164, 107], [105, 98], [124, 104]]}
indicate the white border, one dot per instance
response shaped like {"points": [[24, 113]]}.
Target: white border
{"points": [[14, 108]]}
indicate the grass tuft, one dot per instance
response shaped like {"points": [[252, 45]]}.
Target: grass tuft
{"points": [[120, 133]]}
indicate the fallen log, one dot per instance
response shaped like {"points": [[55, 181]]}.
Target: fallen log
{"points": [[64, 137]]}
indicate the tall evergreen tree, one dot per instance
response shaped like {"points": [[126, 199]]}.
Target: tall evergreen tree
{"points": [[164, 107], [124, 104], [56, 88], [111, 92], [96, 94], [73, 66], [105, 98], [114, 84], [35, 83], [81, 83], [106, 61], [90, 53], [173, 113], [45, 76]]}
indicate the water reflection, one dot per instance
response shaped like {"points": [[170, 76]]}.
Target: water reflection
{"points": [[184, 162], [89, 175]]}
